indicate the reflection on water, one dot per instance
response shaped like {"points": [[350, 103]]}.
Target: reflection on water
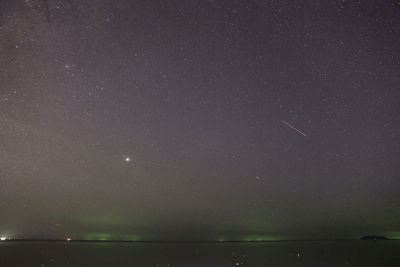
{"points": [[310, 253]]}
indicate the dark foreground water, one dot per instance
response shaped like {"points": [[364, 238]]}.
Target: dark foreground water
{"points": [[310, 253]]}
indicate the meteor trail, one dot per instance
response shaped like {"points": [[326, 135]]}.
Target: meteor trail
{"points": [[129, 159], [294, 128]]}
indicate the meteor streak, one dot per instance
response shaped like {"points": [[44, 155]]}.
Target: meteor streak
{"points": [[294, 128], [129, 159]]}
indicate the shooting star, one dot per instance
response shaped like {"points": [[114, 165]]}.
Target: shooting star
{"points": [[294, 128], [129, 159]]}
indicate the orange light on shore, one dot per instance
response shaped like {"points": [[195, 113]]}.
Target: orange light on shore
{"points": [[68, 239]]}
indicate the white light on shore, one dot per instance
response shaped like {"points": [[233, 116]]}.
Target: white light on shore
{"points": [[3, 238]]}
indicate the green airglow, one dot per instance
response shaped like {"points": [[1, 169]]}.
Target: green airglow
{"points": [[393, 235], [260, 238], [110, 236]]}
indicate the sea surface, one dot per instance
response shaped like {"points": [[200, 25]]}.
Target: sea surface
{"points": [[291, 253]]}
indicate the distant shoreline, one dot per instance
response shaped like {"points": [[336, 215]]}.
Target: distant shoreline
{"points": [[187, 241]]}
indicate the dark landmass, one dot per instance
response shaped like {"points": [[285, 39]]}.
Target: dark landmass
{"points": [[170, 241], [373, 237]]}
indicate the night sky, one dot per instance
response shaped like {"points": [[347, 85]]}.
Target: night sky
{"points": [[199, 120]]}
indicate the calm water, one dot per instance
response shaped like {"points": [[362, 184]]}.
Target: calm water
{"points": [[320, 253]]}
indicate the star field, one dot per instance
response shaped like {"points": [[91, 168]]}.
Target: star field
{"points": [[199, 120]]}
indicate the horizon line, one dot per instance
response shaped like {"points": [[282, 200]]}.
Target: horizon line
{"points": [[183, 241]]}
